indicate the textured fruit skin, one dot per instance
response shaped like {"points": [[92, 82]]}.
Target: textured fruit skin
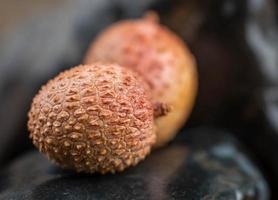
{"points": [[93, 118], [161, 58]]}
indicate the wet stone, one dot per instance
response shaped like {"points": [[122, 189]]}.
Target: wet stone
{"points": [[202, 164]]}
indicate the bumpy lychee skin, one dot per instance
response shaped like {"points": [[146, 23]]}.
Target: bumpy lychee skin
{"points": [[161, 58], [93, 118]]}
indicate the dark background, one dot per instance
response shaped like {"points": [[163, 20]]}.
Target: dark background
{"points": [[235, 43]]}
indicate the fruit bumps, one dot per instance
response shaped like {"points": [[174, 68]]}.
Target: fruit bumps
{"points": [[93, 118]]}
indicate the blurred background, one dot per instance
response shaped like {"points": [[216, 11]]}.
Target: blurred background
{"points": [[235, 43]]}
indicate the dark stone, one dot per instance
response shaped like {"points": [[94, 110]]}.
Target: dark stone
{"points": [[206, 164]]}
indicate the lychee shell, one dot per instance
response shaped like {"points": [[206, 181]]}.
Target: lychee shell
{"points": [[93, 118]]}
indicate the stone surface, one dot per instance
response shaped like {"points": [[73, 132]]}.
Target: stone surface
{"points": [[206, 164]]}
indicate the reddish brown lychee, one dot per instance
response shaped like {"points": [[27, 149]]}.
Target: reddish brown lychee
{"points": [[94, 118], [161, 58]]}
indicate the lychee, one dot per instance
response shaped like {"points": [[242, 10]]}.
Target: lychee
{"points": [[94, 118], [161, 58]]}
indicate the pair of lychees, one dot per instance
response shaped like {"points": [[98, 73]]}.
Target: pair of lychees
{"points": [[108, 114]]}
